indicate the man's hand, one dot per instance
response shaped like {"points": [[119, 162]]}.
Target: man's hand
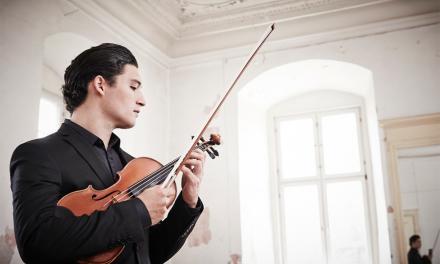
{"points": [[156, 200], [192, 177]]}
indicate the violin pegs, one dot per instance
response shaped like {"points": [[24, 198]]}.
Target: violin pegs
{"points": [[211, 155], [214, 151], [214, 139]]}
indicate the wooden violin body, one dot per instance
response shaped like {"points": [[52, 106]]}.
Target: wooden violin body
{"points": [[89, 200]]}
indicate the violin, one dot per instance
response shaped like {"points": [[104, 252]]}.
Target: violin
{"points": [[142, 173], [139, 174]]}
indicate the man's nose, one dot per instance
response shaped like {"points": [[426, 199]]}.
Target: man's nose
{"points": [[140, 100]]}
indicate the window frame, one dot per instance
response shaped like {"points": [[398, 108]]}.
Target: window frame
{"points": [[322, 179]]}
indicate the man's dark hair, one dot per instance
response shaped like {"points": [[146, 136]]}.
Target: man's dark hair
{"points": [[107, 60], [413, 239]]}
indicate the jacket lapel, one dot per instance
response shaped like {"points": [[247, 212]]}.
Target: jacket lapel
{"points": [[86, 152]]}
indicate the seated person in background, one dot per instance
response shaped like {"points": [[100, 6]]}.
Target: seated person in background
{"points": [[414, 256]]}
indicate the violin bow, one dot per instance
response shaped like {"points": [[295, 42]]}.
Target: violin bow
{"points": [[178, 166]]}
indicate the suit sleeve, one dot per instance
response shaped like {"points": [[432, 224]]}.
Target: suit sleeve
{"points": [[47, 233], [167, 237]]}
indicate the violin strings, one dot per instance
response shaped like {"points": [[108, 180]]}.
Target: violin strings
{"points": [[128, 193], [144, 182], [151, 181], [140, 184], [152, 177]]}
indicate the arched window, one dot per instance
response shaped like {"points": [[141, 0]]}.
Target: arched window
{"points": [[321, 182], [310, 169]]}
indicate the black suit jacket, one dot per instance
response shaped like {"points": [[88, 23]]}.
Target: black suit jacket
{"points": [[46, 169]]}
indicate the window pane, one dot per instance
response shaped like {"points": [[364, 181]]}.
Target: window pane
{"points": [[340, 144], [49, 117], [302, 225], [347, 224], [297, 146]]}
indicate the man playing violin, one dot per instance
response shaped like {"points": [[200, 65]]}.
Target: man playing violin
{"points": [[102, 91]]}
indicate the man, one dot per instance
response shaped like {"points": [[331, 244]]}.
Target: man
{"points": [[102, 92], [414, 257]]}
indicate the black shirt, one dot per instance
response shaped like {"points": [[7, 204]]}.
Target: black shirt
{"points": [[111, 156]]}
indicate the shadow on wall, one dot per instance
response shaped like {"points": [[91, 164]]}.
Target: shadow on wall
{"points": [[7, 245], [201, 233]]}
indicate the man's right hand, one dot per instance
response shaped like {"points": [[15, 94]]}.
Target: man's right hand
{"points": [[156, 200]]}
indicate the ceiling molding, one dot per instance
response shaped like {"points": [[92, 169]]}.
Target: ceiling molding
{"points": [[164, 20], [264, 13], [345, 22], [216, 17], [305, 25], [122, 31], [313, 39]]}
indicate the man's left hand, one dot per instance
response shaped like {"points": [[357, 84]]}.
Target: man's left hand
{"points": [[192, 177]]}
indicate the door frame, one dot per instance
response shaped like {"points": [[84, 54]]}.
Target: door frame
{"points": [[402, 133]]}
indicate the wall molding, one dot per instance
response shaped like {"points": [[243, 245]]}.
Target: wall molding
{"points": [[410, 121]]}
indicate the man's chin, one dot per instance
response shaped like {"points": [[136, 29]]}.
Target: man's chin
{"points": [[127, 125]]}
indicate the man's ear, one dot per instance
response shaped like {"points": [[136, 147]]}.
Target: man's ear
{"points": [[98, 84]]}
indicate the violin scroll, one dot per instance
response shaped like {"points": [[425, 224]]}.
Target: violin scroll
{"points": [[204, 145], [215, 139]]}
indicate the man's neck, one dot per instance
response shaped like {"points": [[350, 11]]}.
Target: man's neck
{"points": [[96, 125]]}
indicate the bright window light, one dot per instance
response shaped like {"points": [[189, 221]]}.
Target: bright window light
{"points": [[50, 114], [297, 146], [340, 143], [323, 218], [302, 225], [347, 223]]}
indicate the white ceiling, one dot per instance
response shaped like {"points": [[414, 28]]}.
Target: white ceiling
{"points": [[193, 18], [179, 28], [189, 11]]}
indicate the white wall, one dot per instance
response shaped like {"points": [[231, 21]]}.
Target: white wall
{"points": [[405, 68], [196, 90], [24, 27]]}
